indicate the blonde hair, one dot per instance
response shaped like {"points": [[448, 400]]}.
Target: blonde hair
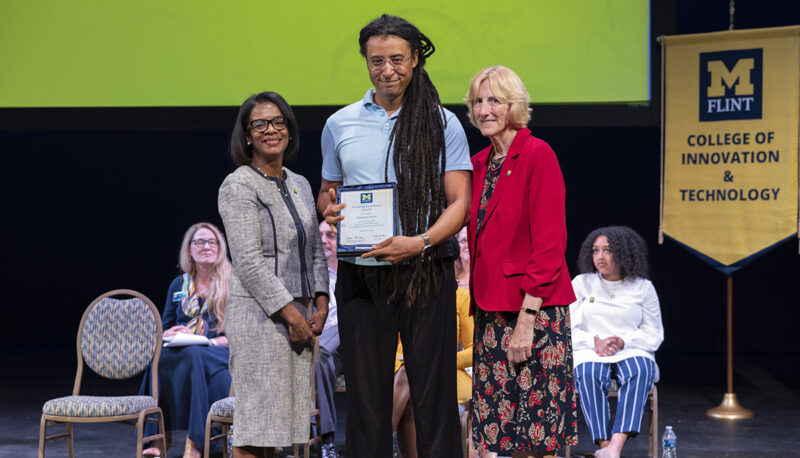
{"points": [[507, 88], [220, 272]]}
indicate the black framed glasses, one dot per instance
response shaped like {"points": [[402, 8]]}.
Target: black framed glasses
{"points": [[262, 125]]}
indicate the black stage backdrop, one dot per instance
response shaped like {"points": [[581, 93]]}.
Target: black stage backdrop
{"points": [[98, 199]]}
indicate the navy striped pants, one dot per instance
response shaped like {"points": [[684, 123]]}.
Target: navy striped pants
{"points": [[635, 376]]}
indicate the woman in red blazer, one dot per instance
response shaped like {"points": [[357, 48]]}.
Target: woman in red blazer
{"points": [[523, 390]]}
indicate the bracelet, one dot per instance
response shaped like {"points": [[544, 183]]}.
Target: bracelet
{"points": [[530, 311]]}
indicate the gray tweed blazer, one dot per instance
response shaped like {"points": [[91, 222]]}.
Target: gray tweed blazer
{"points": [[265, 227]]}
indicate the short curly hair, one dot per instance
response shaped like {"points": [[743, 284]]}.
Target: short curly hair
{"points": [[628, 248]]}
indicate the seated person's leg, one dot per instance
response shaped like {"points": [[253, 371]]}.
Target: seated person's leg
{"points": [[592, 380], [635, 376], [403, 415], [207, 379], [219, 386], [326, 383]]}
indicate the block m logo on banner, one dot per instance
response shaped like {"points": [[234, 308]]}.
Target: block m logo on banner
{"points": [[731, 84]]}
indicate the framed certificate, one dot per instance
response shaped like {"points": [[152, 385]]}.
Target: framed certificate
{"points": [[369, 217]]}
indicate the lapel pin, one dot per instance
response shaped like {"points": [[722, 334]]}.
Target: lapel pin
{"points": [[591, 299], [508, 173]]}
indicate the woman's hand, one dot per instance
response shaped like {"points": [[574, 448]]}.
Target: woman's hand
{"points": [[396, 249], [299, 331], [221, 341], [608, 346], [317, 319], [331, 210], [175, 330], [520, 347]]}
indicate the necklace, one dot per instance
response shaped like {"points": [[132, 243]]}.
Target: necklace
{"points": [[267, 174], [496, 163], [609, 287], [280, 184]]}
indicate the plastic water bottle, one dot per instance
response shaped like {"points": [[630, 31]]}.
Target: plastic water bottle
{"points": [[670, 443]]}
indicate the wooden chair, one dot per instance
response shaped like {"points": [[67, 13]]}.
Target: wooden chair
{"points": [[117, 339], [652, 407], [221, 414]]}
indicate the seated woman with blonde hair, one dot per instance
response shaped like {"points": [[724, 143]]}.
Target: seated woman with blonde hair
{"points": [[193, 377]]}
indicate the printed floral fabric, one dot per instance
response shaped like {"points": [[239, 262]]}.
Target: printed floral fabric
{"points": [[528, 406], [492, 174]]}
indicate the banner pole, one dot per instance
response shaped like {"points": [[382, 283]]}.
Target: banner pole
{"points": [[730, 408], [661, 191], [729, 331], [731, 11]]}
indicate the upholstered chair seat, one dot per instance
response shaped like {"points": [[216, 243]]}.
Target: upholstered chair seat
{"points": [[97, 406], [223, 407]]}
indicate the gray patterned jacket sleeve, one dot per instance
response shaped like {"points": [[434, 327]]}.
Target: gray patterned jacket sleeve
{"points": [[238, 208]]}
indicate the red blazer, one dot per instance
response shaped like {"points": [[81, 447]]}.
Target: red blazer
{"points": [[524, 234]]}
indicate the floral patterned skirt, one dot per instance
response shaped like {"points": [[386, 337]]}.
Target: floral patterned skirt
{"points": [[527, 406]]}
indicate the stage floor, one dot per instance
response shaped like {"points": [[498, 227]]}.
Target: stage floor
{"points": [[769, 385]]}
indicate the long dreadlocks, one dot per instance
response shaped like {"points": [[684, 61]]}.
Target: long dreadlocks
{"points": [[419, 154]]}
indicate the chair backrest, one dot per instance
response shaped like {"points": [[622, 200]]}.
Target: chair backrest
{"points": [[119, 338]]}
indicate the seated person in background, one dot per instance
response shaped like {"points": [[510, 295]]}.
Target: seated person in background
{"points": [[402, 411], [616, 328], [461, 265], [329, 362], [191, 378], [466, 328]]}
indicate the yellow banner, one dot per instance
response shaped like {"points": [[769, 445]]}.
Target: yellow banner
{"points": [[730, 165]]}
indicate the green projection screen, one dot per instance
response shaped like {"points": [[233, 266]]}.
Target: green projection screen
{"points": [[147, 53]]}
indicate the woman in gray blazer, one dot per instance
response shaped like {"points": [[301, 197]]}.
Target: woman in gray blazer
{"points": [[279, 275]]}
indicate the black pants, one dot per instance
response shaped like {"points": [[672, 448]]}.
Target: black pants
{"points": [[368, 327]]}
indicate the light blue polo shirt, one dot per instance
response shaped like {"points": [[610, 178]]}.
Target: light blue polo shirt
{"points": [[355, 142]]}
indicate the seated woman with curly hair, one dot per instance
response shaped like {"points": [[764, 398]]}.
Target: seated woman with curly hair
{"points": [[616, 328]]}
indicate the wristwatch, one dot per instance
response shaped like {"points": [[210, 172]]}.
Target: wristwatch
{"points": [[427, 248]]}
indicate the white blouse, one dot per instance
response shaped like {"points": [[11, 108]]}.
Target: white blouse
{"points": [[626, 308]]}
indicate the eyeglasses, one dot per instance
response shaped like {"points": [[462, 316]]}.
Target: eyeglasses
{"points": [[201, 243], [261, 125], [377, 63]]}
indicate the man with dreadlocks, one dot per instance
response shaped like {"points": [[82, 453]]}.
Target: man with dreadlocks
{"points": [[399, 133]]}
